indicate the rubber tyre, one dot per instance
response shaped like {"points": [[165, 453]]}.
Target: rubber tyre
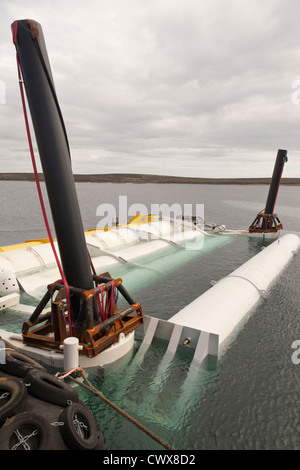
{"points": [[49, 388], [100, 441], [26, 423], [18, 364], [17, 400], [87, 439]]}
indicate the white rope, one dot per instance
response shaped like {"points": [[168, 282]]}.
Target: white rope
{"points": [[63, 375]]}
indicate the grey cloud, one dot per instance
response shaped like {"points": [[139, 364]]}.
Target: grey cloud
{"points": [[157, 83]]}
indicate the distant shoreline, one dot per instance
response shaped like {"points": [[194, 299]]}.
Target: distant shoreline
{"points": [[141, 178]]}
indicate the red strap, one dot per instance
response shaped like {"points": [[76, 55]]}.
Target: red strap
{"points": [[15, 26], [33, 28], [106, 310], [100, 299], [15, 30], [109, 310], [97, 297]]}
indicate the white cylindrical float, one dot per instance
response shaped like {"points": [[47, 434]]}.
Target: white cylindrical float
{"points": [[35, 266], [71, 350], [220, 309]]}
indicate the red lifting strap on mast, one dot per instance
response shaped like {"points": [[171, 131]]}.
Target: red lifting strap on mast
{"points": [[33, 28], [15, 30], [34, 34]]}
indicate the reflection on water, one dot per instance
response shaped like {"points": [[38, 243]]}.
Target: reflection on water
{"points": [[159, 391], [250, 398]]}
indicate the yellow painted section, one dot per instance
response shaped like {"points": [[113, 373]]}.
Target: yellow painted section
{"points": [[38, 241], [139, 219], [105, 229], [135, 220], [22, 245]]}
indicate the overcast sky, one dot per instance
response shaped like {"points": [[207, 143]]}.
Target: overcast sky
{"points": [[180, 87]]}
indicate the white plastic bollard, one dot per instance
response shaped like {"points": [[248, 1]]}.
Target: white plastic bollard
{"points": [[71, 350]]}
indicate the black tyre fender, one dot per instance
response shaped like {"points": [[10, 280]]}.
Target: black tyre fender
{"points": [[46, 387], [18, 364], [79, 430], [15, 401], [26, 431], [100, 441]]}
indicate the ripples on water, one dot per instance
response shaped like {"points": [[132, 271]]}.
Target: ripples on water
{"points": [[250, 400]]}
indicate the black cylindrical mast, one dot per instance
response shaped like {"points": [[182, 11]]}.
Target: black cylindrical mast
{"points": [[266, 221], [54, 153], [275, 182]]}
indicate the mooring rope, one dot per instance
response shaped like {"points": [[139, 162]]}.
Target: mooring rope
{"points": [[95, 391]]}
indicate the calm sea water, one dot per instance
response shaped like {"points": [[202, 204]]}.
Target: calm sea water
{"points": [[251, 399]]}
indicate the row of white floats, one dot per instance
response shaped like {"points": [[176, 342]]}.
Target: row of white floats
{"points": [[207, 323], [34, 265]]}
